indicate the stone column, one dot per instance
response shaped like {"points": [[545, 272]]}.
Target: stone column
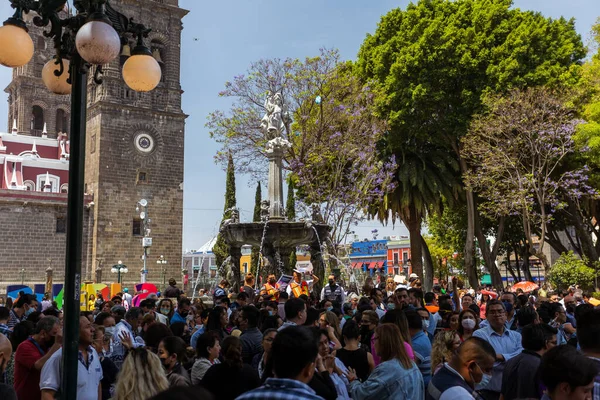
{"points": [[275, 150], [316, 259], [236, 254], [48, 288], [285, 253]]}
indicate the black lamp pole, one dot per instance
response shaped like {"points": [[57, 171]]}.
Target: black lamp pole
{"points": [[63, 33]]}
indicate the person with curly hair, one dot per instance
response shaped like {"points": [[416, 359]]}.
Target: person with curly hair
{"points": [[142, 376], [444, 345]]}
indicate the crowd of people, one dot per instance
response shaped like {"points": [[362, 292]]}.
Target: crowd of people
{"points": [[386, 341]]}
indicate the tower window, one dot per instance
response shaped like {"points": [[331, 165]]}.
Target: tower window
{"points": [[37, 120], [137, 227], [62, 124], [142, 177], [61, 225]]}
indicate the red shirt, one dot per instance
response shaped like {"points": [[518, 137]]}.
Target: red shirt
{"points": [[27, 378]]}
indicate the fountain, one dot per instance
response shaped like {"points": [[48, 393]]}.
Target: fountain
{"points": [[275, 236]]}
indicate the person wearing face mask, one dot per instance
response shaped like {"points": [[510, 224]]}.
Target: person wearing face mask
{"points": [[471, 365], [333, 292], [506, 343], [171, 351], [271, 288], [21, 309], [426, 318], [6, 391], [520, 379], [420, 343], [32, 355], [109, 370], [467, 324]]}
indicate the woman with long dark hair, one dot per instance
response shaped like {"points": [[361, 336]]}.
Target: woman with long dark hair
{"points": [[219, 378], [217, 322]]}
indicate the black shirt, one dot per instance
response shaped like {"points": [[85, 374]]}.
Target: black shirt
{"points": [[356, 359], [227, 382], [520, 378]]}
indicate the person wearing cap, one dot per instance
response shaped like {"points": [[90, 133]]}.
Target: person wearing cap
{"points": [[126, 296], [299, 286]]}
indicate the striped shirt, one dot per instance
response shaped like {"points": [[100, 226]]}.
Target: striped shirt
{"points": [[281, 389]]}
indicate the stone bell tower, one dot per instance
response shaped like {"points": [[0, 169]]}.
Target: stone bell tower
{"points": [[134, 151]]}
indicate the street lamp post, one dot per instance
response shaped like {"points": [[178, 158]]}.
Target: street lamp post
{"points": [[119, 269], [93, 36], [142, 208], [162, 261]]}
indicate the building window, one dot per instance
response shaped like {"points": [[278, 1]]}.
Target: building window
{"points": [[137, 227], [29, 185], [37, 120], [62, 123], [196, 261], [142, 177], [245, 265], [404, 256], [61, 225], [64, 188], [160, 54], [395, 258]]}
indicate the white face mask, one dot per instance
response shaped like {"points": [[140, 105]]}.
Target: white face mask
{"points": [[468, 323], [425, 324], [109, 330]]}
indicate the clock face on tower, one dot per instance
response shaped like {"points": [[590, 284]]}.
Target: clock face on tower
{"points": [[144, 143]]}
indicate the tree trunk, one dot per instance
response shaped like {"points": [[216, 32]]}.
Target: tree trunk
{"points": [[587, 244], [470, 269], [413, 222], [428, 266], [489, 255]]}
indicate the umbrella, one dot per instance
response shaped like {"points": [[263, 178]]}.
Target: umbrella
{"points": [[143, 290], [525, 286], [493, 295]]}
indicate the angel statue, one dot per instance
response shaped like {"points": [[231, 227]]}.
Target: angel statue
{"points": [[277, 117]]}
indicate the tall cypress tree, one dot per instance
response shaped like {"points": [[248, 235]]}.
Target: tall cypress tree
{"points": [[255, 257], [221, 249], [290, 213]]}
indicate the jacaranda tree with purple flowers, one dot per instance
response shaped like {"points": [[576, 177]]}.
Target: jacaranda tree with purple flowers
{"points": [[516, 151]]}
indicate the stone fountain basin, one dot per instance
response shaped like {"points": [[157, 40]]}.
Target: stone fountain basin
{"points": [[280, 234]]}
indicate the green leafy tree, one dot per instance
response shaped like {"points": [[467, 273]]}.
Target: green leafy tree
{"points": [[571, 270], [434, 62], [255, 256], [290, 213], [221, 249]]}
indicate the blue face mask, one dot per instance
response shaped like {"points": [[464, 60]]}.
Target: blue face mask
{"points": [[329, 308], [271, 313], [391, 306], [354, 311], [485, 379], [29, 311]]}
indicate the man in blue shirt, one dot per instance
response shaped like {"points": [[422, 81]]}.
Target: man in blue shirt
{"points": [[183, 308], [294, 354], [420, 344], [505, 342]]}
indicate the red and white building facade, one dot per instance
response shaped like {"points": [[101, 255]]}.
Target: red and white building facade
{"points": [[34, 163]]}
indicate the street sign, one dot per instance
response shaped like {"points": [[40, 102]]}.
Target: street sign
{"points": [[147, 242]]}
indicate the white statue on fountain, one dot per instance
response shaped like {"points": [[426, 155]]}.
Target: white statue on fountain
{"points": [[277, 117]]}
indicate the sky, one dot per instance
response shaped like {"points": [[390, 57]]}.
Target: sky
{"points": [[221, 39]]}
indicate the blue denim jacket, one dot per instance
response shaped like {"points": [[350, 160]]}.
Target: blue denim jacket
{"points": [[389, 380]]}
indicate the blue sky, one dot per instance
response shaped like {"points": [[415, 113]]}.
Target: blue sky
{"points": [[220, 39]]}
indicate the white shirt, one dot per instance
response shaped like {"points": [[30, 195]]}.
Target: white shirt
{"points": [[88, 378]]}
